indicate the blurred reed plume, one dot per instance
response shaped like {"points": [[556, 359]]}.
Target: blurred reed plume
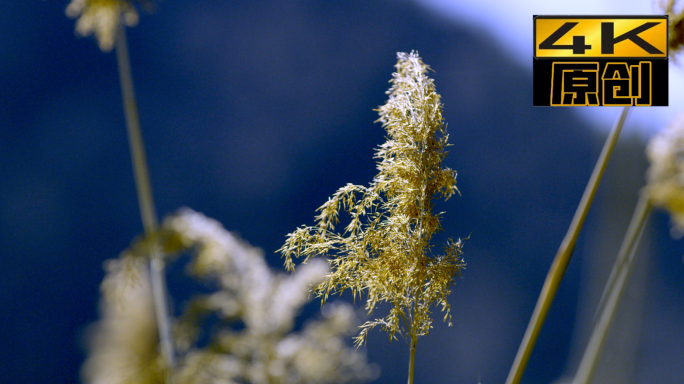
{"points": [[254, 309], [102, 18], [675, 25], [666, 174], [124, 347], [385, 250]]}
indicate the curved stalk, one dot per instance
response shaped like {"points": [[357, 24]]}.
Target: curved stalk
{"points": [[145, 200], [614, 290], [560, 262]]}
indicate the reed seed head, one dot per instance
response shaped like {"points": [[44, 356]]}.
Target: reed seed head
{"points": [[102, 18], [666, 173], [385, 251]]}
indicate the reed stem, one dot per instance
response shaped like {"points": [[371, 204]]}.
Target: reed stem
{"points": [[145, 200], [614, 289], [412, 359], [560, 262]]}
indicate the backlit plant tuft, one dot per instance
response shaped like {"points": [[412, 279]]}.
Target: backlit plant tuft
{"points": [[385, 251]]}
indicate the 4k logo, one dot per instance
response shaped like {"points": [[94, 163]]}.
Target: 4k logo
{"points": [[600, 60]]}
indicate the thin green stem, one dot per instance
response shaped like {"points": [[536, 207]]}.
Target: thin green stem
{"points": [[614, 289], [560, 262], [412, 359], [144, 191]]}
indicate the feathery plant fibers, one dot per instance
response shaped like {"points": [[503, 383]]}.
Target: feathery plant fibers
{"points": [[385, 250]]}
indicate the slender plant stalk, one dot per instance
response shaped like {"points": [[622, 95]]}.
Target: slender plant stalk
{"points": [[622, 262], [145, 201], [560, 262], [614, 289], [412, 359]]}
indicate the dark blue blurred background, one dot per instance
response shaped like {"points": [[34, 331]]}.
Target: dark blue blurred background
{"points": [[254, 112]]}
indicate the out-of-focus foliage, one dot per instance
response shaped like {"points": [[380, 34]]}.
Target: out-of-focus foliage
{"points": [[385, 249], [254, 310], [666, 173], [102, 18], [676, 26], [123, 345]]}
